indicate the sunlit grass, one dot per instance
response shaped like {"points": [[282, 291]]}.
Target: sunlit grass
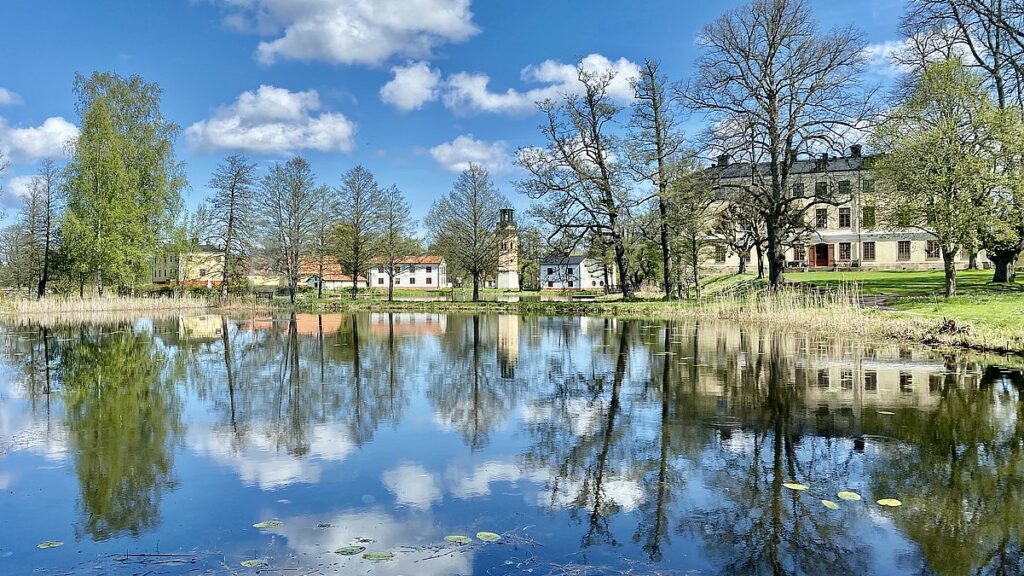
{"points": [[96, 304]]}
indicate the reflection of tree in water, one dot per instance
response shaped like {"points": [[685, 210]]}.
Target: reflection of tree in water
{"points": [[123, 419], [583, 442], [465, 386], [760, 527], [959, 471]]}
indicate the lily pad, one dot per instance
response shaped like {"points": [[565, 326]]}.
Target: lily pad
{"points": [[379, 556], [267, 524], [830, 505], [844, 495], [890, 502], [458, 539], [350, 550], [49, 544], [488, 536], [793, 486], [255, 563]]}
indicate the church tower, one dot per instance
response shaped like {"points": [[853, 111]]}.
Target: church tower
{"points": [[508, 253]]}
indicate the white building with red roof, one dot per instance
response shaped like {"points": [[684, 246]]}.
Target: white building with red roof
{"points": [[417, 272]]}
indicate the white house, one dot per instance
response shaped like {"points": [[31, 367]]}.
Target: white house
{"points": [[333, 278], [574, 273], [418, 272]]}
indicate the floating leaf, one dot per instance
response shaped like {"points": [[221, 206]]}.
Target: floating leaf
{"points": [[844, 495], [830, 505], [488, 536], [350, 550], [267, 524], [890, 502], [378, 556], [49, 544], [255, 563], [457, 539], [362, 540], [797, 487]]}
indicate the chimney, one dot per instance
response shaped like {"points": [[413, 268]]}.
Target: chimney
{"points": [[723, 160], [855, 151]]}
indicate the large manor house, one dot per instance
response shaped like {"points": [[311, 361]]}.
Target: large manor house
{"points": [[844, 236]]}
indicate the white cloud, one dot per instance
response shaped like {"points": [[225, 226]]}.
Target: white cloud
{"points": [[467, 92], [412, 86], [17, 189], [8, 98], [273, 120], [27, 145], [457, 155], [412, 485], [880, 57], [351, 31]]}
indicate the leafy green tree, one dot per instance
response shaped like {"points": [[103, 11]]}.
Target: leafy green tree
{"points": [[287, 203], [124, 183], [691, 202], [937, 152]]}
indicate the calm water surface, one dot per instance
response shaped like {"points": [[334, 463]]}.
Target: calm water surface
{"points": [[593, 446]]}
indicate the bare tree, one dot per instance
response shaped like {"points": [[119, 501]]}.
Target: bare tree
{"points": [[397, 239], [325, 218], [580, 179], [286, 204], [655, 140], [463, 225], [773, 85], [233, 184], [360, 199], [692, 212]]}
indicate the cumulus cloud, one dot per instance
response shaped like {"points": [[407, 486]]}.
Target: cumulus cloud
{"points": [[18, 188], [457, 155], [27, 145], [412, 86], [273, 120], [470, 92], [8, 98], [412, 485], [880, 57], [351, 31]]}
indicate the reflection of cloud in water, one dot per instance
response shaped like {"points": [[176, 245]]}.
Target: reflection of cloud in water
{"points": [[412, 485], [259, 461], [584, 415], [390, 533], [625, 493], [20, 431]]}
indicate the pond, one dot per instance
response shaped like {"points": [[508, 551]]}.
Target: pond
{"points": [[589, 445]]}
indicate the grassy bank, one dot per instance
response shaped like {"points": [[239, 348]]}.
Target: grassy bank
{"points": [[96, 304]]}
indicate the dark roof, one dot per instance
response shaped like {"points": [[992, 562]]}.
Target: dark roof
{"points": [[562, 260], [805, 166]]}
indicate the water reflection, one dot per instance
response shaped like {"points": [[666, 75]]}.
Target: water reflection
{"points": [[605, 442]]}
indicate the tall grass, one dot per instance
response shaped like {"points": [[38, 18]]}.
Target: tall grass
{"points": [[74, 305]]}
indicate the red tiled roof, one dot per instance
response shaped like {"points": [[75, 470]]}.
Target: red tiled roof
{"points": [[427, 259], [332, 270]]}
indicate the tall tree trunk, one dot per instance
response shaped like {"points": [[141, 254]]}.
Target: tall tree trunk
{"points": [[776, 256], [391, 284], [476, 286], [949, 264], [620, 263], [665, 252], [320, 279], [759, 250], [743, 265], [1005, 265]]}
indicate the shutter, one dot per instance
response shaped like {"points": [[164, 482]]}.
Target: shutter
{"points": [[831, 254]]}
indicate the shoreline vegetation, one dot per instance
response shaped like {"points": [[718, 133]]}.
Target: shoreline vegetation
{"points": [[885, 305]]}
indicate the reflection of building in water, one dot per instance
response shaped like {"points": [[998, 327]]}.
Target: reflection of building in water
{"points": [[508, 344], [408, 324], [312, 324], [205, 327]]}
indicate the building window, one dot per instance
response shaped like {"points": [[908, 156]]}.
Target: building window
{"points": [[867, 217], [551, 284], [398, 281], [551, 271], [844, 217], [720, 254], [202, 271], [868, 186], [593, 282], [821, 218], [846, 380], [821, 189], [844, 188], [430, 280], [799, 252], [932, 250], [798, 190], [903, 250], [870, 381], [568, 271], [844, 251], [869, 251], [380, 270], [430, 269], [823, 378], [380, 280], [570, 283], [906, 382]]}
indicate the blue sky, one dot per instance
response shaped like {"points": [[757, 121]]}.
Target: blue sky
{"points": [[412, 89]]}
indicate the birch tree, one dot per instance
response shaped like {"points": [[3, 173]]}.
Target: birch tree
{"points": [[360, 199], [286, 204], [396, 234], [772, 85], [231, 211]]}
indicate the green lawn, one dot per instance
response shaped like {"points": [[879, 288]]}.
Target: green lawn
{"points": [[925, 283]]}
